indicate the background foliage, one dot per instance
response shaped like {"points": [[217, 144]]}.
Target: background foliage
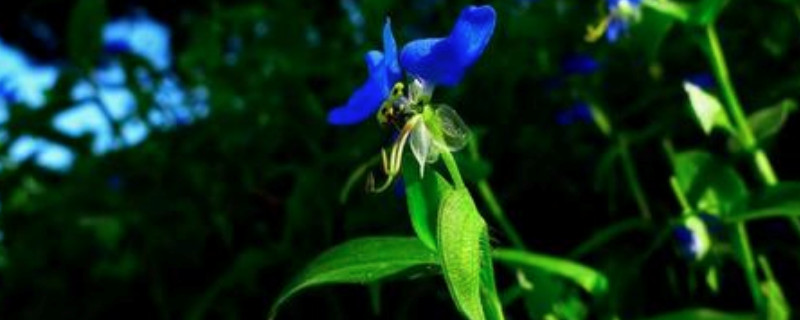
{"points": [[210, 218]]}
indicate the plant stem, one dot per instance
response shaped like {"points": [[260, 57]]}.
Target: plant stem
{"points": [[452, 168], [762, 163], [497, 212], [760, 159], [631, 176]]}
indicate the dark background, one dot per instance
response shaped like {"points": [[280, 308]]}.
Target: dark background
{"points": [[210, 219]]}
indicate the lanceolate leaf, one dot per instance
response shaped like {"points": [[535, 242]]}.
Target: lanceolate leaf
{"points": [[779, 200], [459, 236], [423, 196], [707, 109], [361, 261], [704, 314], [709, 185], [587, 278]]}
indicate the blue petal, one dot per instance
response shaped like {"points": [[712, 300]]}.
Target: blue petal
{"points": [[444, 60], [384, 71], [390, 54], [360, 106], [580, 64], [615, 27]]}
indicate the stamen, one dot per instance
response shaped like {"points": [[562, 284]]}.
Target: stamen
{"points": [[593, 33]]}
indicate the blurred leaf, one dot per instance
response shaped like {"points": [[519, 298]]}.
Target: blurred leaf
{"points": [[676, 10], [707, 109], [587, 278], [423, 196], [650, 33], [782, 199], [766, 123], [460, 228], [85, 31], [777, 307], [703, 314], [706, 11], [709, 185], [360, 261], [492, 306]]}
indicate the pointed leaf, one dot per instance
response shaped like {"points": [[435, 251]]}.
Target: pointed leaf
{"points": [[423, 196], [710, 185], [587, 278], [706, 11], [779, 200], [459, 236], [704, 314], [361, 261], [707, 109]]}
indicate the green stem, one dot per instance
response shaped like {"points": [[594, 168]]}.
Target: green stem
{"points": [[632, 177], [749, 264], [497, 212], [452, 168], [750, 143], [760, 160]]}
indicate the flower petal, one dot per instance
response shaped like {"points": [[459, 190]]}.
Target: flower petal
{"points": [[360, 106], [384, 71], [444, 60], [390, 55]]}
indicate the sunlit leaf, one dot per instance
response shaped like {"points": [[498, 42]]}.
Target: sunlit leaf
{"points": [[707, 11], [703, 314], [766, 123], [459, 235], [587, 278], [707, 108], [709, 184], [782, 199], [361, 261], [423, 196]]}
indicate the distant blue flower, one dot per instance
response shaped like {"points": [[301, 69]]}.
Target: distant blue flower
{"points": [[579, 64], [621, 13], [577, 112], [436, 61], [695, 235], [702, 80], [384, 71], [116, 47], [443, 61]]}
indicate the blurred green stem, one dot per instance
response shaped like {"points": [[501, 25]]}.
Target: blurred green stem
{"points": [[632, 177], [762, 163], [497, 212], [452, 167], [760, 159]]}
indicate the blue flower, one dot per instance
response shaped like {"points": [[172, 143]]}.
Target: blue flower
{"points": [[702, 80], [435, 61], [621, 13], [443, 61], [579, 64], [578, 112], [383, 71]]}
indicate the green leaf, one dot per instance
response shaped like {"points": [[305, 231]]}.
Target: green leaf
{"points": [[677, 11], [587, 278], [777, 307], [85, 31], [459, 235], [423, 196], [782, 199], [707, 11], [492, 305], [360, 261], [709, 184], [704, 314], [766, 123], [707, 109], [649, 34]]}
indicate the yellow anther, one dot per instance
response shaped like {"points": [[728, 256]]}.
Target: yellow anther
{"points": [[593, 33]]}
